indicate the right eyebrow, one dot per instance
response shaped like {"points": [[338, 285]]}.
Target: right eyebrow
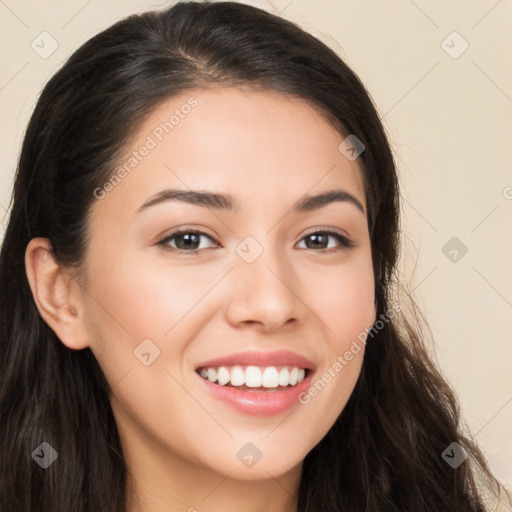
{"points": [[195, 197]]}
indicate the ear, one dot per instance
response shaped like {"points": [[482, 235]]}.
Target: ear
{"points": [[56, 294]]}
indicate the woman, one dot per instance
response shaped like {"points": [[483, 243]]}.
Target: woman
{"points": [[144, 370]]}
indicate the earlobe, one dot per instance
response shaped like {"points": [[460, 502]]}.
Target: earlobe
{"points": [[56, 294]]}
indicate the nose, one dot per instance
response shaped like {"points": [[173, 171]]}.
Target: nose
{"points": [[263, 293]]}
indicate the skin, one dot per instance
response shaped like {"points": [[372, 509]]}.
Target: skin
{"points": [[267, 151]]}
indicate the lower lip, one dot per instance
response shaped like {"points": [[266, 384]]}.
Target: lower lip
{"points": [[258, 403]]}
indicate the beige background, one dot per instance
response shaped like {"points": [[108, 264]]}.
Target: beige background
{"points": [[450, 124]]}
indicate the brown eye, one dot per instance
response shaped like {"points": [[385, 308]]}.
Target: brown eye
{"points": [[185, 240], [320, 240]]}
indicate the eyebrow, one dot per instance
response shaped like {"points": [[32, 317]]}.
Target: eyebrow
{"points": [[227, 202]]}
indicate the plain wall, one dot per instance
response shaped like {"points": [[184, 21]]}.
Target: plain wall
{"points": [[449, 118]]}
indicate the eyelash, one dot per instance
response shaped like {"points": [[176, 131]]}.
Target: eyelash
{"points": [[345, 242]]}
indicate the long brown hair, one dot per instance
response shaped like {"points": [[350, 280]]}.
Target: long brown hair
{"points": [[384, 452]]}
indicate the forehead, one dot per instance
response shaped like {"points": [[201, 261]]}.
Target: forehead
{"points": [[260, 147]]}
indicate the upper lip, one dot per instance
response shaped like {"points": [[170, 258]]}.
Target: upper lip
{"points": [[255, 358]]}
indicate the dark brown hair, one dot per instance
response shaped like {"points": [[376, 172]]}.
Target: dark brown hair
{"points": [[383, 454]]}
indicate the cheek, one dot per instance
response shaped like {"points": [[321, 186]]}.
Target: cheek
{"points": [[348, 309], [140, 297], [344, 299], [146, 297]]}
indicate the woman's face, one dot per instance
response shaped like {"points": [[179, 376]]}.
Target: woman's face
{"points": [[260, 285]]}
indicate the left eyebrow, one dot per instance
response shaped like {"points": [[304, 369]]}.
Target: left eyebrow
{"points": [[227, 202], [310, 203]]}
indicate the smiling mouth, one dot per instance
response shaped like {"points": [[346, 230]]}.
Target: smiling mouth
{"points": [[255, 378]]}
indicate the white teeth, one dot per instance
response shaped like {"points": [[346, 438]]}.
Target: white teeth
{"points": [[254, 377], [223, 376], [237, 376], [293, 376], [270, 378], [284, 377]]}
